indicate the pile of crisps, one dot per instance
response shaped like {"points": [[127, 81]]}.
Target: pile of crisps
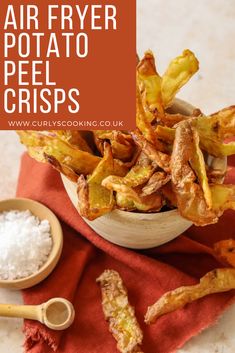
{"points": [[160, 166]]}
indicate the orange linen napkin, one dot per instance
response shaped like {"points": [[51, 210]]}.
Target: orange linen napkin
{"points": [[147, 274]]}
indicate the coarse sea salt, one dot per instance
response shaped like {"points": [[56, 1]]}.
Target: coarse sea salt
{"points": [[25, 244]]}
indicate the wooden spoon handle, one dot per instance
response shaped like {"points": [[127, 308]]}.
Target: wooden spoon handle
{"points": [[32, 312]]}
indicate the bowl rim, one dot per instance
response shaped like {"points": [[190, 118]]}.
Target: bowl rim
{"points": [[146, 214], [57, 251]]}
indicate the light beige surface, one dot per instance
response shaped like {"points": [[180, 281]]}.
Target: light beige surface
{"points": [[166, 26]]}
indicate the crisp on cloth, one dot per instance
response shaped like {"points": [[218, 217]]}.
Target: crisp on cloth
{"points": [[147, 274]]}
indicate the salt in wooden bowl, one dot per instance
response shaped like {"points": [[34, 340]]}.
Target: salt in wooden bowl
{"points": [[42, 212]]}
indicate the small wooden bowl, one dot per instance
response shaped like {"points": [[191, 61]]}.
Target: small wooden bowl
{"points": [[42, 212], [142, 230]]}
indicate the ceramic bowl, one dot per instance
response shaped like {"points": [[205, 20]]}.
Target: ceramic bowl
{"points": [[42, 212], [142, 230]]}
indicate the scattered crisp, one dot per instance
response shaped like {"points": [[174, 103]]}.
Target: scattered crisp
{"points": [[216, 281], [119, 313], [225, 251]]}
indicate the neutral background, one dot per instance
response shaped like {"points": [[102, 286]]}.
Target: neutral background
{"points": [[167, 27]]}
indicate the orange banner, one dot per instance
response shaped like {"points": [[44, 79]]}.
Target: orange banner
{"points": [[67, 65]]}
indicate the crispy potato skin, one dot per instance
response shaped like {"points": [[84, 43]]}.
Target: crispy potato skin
{"points": [[216, 281], [225, 251], [179, 71], [119, 313], [156, 181], [94, 200], [159, 164], [199, 202], [190, 197], [214, 129], [161, 159], [149, 83], [133, 196], [73, 137], [63, 154]]}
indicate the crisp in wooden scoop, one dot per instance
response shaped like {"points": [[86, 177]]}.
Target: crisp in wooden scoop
{"points": [[56, 313]]}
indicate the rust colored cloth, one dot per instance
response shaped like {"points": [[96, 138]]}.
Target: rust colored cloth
{"points": [[147, 274]]}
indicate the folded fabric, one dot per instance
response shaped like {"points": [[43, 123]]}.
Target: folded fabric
{"points": [[147, 274]]}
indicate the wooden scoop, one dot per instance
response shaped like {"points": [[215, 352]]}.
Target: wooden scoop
{"points": [[57, 313]]}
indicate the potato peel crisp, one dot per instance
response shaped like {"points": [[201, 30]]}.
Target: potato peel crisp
{"points": [[94, 199], [156, 181], [133, 196], [144, 125], [149, 83], [198, 164], [64, 153], [214, 129], [73, 137], [122, 144], [161, 159], [191, 197], [225, 251], [170, 120], [119, 313], [179, 71], [138, 175], [170, 160], [216, 281]]}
